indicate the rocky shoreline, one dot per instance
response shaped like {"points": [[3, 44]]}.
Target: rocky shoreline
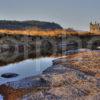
{"points": [[74, 77]]}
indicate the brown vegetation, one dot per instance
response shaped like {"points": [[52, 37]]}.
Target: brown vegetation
{"points": [[41, 32]]}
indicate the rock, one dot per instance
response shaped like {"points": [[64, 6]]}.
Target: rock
{"points": [[36, 96], [98, 83], [97, 75], [65, 82], [53, 80], [81, 76], [9, 75]]}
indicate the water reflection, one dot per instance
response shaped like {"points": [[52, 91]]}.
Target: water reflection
{"points": [[26, 68], [1, 97], [22, 65]]}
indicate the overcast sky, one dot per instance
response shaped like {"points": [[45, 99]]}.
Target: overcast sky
{"points": [[69, 13]]}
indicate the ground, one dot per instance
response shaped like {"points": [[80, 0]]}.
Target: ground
{"points": [[74, 77]]}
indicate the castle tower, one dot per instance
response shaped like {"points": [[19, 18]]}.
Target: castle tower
{"points": [[94, 27]]}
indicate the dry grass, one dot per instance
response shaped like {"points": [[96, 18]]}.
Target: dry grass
{"points": [[41, 32]]}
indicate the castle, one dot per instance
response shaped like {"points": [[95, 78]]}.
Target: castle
{"points": [[95, 27]]}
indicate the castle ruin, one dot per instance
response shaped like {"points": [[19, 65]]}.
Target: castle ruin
{"points": [[95, 27]]}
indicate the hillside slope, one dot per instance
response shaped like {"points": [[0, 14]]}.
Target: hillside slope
{"points": [[6, 24]]}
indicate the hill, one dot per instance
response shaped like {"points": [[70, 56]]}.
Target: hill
{"points": [[6, 24], [40, 28]]}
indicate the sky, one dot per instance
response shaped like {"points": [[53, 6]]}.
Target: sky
{"points": [[75, 14]]}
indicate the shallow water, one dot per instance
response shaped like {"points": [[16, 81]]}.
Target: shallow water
{"points": [[26, 68], [1, 97]]}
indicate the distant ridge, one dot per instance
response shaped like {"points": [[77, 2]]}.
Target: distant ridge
{"points": [[70, 30], [8, 24]]}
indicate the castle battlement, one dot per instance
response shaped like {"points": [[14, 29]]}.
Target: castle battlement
{"points": [[95, 27]]}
